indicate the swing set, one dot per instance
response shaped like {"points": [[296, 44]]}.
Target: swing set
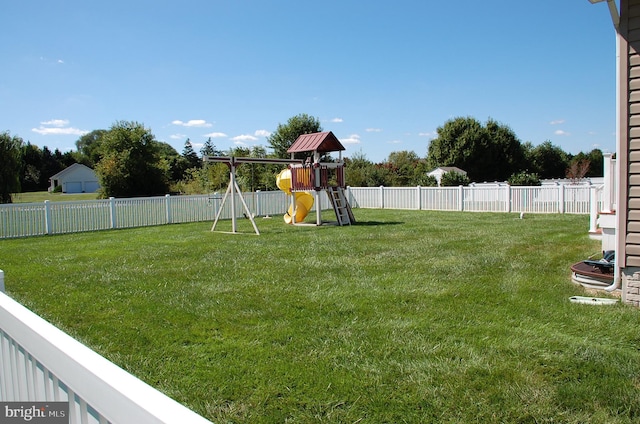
{"points": [[303, 176]]}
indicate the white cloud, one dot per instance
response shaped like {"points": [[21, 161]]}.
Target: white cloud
{"points": [[49, 61], [192, 123], [373, 130], [244, 137], [395, 142], [216, 135], [431, 134], [59, 131], [337, 120], [352, 139], [262, 133], [57, 127], [561, 132], [177, 136], [55, 123], [557, 122]]}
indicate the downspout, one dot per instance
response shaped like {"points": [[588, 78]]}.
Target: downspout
{"points": [[616, 269]]}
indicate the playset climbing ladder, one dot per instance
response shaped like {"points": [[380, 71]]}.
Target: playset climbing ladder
{"points": [[341, 205]]}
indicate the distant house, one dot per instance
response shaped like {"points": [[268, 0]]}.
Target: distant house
{"points": [[439, 172], [76, 178]]}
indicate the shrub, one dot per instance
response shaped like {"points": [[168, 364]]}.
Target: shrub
{"points": [[524, 179]]}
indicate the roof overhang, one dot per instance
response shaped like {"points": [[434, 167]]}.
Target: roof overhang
{"points": [[613, 11]]}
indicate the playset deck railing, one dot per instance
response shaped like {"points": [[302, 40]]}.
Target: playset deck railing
{"points": [[321, 176]]}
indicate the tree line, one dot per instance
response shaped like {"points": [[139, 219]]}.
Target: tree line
{"points": [[129, 161], [487, 152]]}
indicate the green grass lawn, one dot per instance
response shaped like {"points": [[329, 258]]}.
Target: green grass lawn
{"points": [[408, 316], [41, 196]]}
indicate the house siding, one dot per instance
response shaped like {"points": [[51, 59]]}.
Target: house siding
{"points": [[630, 128], [628, 154]]}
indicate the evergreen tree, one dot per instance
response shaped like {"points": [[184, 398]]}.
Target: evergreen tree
{"points": [[190, 155], [209, 149]]}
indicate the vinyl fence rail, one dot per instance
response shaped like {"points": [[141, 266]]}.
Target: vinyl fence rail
{"points": [[47, 218], [40, 363]]}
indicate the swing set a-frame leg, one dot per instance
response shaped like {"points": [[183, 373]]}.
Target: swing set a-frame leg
{"points": [[224, 199], [236, 189]]}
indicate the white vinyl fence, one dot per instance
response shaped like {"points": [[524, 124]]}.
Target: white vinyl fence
{"points": [[40, 363], [32, 219], [540, 199]]}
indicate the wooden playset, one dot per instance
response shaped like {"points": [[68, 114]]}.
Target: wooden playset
{"points": [[300, 180]]}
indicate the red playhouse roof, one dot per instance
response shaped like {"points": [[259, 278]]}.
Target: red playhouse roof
{"points": [[321, 142]]}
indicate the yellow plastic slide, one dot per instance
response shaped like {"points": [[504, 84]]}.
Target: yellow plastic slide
{"points": [[303, 199]]}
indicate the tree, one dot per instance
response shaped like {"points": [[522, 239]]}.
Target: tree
{"points": [[403, 164], [88, 147], [454, 179], [190, 155], [381, 175], [52, 163], [595, 158], [31, 167], [174, 164], [577, 170], [284, 136], [458, 141], [209, 149], [487, 153], [547, 160], [508, 152], [38, 165], [421, 177], [131, 164], [10, 163], [357, 169]]}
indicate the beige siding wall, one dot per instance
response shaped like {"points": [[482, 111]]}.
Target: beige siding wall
{"points": [[630, 73]]}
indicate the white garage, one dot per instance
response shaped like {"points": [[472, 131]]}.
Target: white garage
{"points": [[77, 178]]}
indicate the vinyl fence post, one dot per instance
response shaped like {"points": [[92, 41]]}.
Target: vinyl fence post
{"points": [[2, 281], [167, 198], [112, 212], [509, 207], [561, 196], [381, 197], [47, 217], [593, 209], [257, 205], [419, 197], [461, 198]]}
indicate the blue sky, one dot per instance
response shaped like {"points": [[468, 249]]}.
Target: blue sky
{"points": [[382, 75]]}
